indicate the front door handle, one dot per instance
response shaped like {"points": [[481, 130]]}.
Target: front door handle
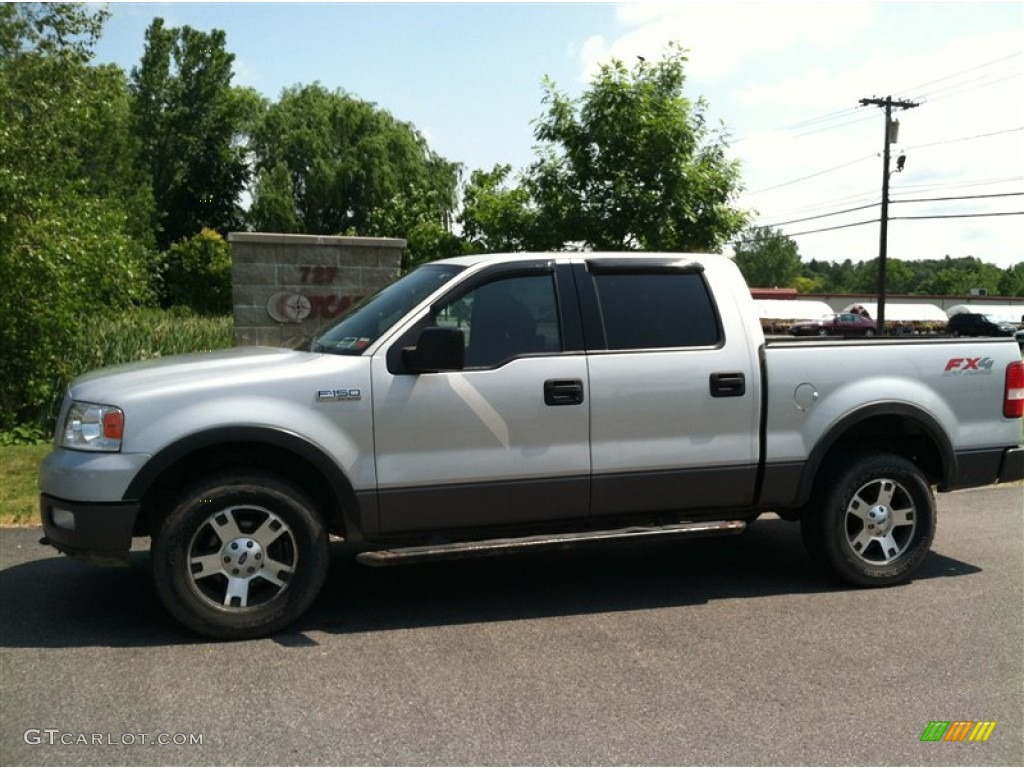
{"points": [[563, 392], [728, 384]]}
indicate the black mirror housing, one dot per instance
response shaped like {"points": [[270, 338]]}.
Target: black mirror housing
{"points": [[437, 349]]}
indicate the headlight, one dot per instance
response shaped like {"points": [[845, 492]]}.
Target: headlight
{"points": [[90, 427]]}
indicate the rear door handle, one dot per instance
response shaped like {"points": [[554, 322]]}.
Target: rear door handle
{"points": [[728, 384], [563, 392]]}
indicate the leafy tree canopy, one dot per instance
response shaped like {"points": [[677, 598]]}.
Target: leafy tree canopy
{"points": [[190, 122], [71, 244], [631, 164], [330, 163], [767, 258]]}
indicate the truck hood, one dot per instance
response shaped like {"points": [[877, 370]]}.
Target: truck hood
{"points": [[117, 384]]}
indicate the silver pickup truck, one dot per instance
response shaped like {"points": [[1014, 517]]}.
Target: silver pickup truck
{"points": [[498, 403]]}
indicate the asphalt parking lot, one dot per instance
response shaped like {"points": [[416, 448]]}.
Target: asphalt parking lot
{"points": [[723, 651]]}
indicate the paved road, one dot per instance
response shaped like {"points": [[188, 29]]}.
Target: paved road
{"points": [[727, 651]]}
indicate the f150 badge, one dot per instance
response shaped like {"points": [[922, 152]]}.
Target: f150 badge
{"points": [[337, 395]]}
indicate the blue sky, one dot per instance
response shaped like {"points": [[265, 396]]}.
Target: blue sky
{"points": [[785, 78]]}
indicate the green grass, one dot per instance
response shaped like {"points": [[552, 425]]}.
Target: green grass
{"points": [[19, 488]]}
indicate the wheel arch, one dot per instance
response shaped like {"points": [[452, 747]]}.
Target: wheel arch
{"points": [[274, 450], [898, 428]]}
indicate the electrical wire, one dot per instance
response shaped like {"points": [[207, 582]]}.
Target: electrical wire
{"points": [[957, 216], [820, 216], [863, 119], [956, 88], [830, 229], [962, 72], [959, 197], [840, 113], [965, 138], [849, 111], [926, 187], [811, 175], [870, 196], [872, 205]]}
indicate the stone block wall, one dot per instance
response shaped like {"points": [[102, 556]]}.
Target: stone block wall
{"points": [[285, 287]]}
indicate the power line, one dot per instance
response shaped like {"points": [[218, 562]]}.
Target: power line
{"points": [[963, 72], [957, 88], [958, 216], [821, 119], [961, 184], [902, 218], [810, 176], [872, 205], [849, 111], [819, 216], [830, 229], [863, 119], [966, 138], [958, 197]]}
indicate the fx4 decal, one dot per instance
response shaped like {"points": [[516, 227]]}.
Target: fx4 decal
{"points": [[971, 366]]}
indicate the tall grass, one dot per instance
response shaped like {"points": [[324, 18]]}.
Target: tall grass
{"points": [[143, 334], [140, 334]]}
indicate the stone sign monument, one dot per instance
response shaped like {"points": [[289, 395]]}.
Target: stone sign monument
{"points": [[285, 287]]}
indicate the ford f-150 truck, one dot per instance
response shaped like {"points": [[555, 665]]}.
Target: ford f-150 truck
{"points": [[497, 403]]}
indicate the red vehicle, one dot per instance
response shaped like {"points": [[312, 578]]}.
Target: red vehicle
{"points": [[844, 324]]}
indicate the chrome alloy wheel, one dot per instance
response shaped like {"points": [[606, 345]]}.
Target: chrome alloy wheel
{"points": [[241, 557], [880, 521]]}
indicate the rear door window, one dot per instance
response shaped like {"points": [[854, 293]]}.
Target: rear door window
{"points": [[647, 310]]}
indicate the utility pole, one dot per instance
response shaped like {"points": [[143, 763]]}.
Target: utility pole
{"points": [[891, 133]]}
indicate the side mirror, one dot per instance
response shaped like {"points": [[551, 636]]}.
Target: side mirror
{"points": [[437, 349]]}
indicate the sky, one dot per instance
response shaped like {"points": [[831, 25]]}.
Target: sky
{"points": [[784, 79]]}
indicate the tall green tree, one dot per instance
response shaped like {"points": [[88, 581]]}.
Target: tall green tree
{"points": [[188, 118], [330, 163], [767, 258], [632, 163], [70, 211]]}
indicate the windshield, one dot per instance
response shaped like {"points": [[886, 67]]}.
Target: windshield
{"points": [[363, 324]]}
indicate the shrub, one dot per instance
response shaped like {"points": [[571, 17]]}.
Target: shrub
{"points": [[66, 261], [197, 274]]}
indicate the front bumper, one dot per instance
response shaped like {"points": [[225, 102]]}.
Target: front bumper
{"points": [[97, 533]]}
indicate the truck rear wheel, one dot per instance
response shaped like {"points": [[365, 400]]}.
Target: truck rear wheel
{"points": [[240, 556], [871, 522]]}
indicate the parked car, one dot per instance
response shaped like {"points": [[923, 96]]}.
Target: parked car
{"points": [[971, 324], [844, 324], [511, 402]]}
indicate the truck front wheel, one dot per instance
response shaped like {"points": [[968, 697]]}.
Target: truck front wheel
{"points": [[239, 556], [871, 521]]}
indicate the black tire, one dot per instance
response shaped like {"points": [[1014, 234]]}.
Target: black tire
{"points": [[240, 556], [871, 521], [823, 331], [869, 332]]}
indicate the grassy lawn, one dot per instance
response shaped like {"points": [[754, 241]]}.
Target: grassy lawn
{"points": [[19, 491]]}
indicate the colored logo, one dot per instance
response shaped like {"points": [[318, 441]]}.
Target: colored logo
{"points": [[958, 730]]}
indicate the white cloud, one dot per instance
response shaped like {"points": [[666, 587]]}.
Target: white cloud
{"points": [[771, 67], [721, 35]]}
